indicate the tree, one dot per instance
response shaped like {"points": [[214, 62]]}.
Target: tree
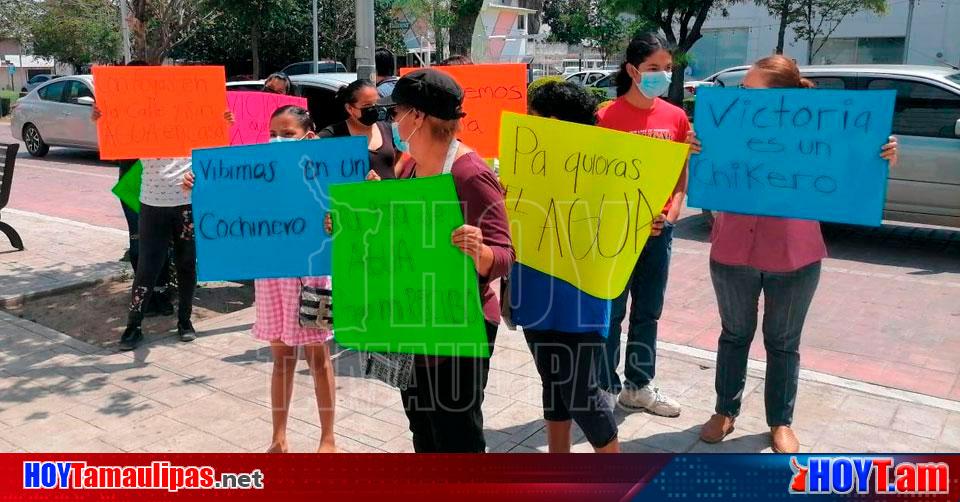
{"points": [[569, 20], [818, 19], [388, 25], [16, 18], [607, 29], [681, 22], [594, 23], [436, 12], [461, 31], [77, 32], [787, 12], [157, 27]]}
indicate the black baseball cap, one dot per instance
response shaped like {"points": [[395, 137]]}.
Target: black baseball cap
{"points": [[430, 91]]}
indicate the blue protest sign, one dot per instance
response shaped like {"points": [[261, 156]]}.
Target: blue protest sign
{"points": [[796, 153], [258, 210]]}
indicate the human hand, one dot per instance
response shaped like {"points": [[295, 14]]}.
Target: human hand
{"points": [[891, 151]]}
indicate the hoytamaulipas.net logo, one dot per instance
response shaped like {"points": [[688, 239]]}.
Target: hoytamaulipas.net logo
{"points": [[878, 475], [159, 475]]}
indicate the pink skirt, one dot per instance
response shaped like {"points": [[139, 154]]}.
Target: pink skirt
{"points": [[278, 311]]}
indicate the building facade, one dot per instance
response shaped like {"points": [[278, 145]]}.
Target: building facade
{"points": [[749, 33]]}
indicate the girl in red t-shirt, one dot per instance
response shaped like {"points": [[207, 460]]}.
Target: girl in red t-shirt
{"points": [[644, 76]]}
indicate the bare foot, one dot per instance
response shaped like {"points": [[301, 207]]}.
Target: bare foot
{"points": [[277, 447], [327, 448]]}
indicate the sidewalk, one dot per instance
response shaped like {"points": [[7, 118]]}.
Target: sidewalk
{"points": [[59, 254], [58, 394]]}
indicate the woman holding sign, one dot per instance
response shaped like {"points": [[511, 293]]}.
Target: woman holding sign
{"points": [[443, 401], [779, 257], [563, 326], [643, 77], [366, 118]]}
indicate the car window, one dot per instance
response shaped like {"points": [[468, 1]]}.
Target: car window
{"points": [[608, 81], [829, 82], [592, 79], [323, 105], [75, 90], [731, 79], [955, 77], [921, 109], [52, 92], [576, 79]]}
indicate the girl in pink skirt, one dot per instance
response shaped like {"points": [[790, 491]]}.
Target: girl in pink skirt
{"points": [[278, 312]]}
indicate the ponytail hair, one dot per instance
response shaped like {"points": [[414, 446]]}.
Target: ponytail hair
{"points": [[300, 114], [782, 72], [641, 47], [347, 95]]}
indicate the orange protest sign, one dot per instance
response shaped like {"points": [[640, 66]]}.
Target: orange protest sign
{"points": [[489, 90], [159, 111]]}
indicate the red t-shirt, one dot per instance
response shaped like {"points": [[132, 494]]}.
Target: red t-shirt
{"points": [[662, 121]]}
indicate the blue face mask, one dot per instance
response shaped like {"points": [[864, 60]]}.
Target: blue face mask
{"points": [[281, 139], [402, 145], [654, 83]]}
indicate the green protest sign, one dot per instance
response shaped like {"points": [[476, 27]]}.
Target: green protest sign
{"points": [[128, 188], [399, 283]]}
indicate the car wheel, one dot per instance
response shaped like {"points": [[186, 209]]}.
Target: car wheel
{"points": [[34, 142]]}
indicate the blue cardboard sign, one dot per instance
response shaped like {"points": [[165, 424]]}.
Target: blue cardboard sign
{"points": [[258, 210], [795, 153]]}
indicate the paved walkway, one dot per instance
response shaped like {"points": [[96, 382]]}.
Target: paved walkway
{"points": [[58, 394], [59, 254], [887, 310]]}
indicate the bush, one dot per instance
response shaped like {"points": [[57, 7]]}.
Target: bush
{"points": [[598, 93], [541, 81]]}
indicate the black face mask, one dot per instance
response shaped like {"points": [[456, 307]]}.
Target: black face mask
{"points": [[372, 114]]}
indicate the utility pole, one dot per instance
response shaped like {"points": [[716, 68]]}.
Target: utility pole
{"points": [[125, 31], [365, 41], [906, 39], [316, 39]]}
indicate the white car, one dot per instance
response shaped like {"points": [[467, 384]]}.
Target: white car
{"points": [[56, 113], [587, 78]]}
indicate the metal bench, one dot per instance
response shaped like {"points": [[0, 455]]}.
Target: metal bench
{"points": [[9, 153]]}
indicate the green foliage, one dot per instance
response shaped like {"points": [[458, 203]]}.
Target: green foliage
{"points": [[389, 34], [16, 17], [597, 93], [77, 32], [594, 23], [541, 81]]}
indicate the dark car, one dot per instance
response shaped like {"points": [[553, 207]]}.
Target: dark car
{"points": [[306, 67]]}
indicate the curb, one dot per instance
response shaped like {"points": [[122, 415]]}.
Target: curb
{"points": [[18, 300]]}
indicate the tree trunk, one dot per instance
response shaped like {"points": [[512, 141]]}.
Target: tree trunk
{"points": [[461, 33], [784, 18], [809, 32], [675, 95], [255, 48]]}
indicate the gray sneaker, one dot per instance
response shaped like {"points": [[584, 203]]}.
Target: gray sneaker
{"points": [[649, 399]]}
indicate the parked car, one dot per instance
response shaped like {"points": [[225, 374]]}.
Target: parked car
{"points": [[56, 113], [35, 81], [320, 89], [729, 77], [587, 78], [925, 185], [608, 84], [306, 67]]}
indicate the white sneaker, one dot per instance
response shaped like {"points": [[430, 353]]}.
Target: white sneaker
{"points": [[608, 398], [651, 400]]}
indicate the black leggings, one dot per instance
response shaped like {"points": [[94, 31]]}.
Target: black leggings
{"points": [[158, 226]]}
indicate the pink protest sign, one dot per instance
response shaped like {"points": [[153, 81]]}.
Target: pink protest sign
{"points": [[251, 114]]}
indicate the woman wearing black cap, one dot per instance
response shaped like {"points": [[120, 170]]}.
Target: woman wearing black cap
{"points": [[444, 399]]}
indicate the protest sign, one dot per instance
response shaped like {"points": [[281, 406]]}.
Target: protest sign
{"points": [[581, 199], [796, 153], [159, 111], [258, 210], [251, 114], [488, 90], [401, 285], [128, 188]]}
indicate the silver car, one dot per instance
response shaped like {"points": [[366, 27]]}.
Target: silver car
{"points": [[56, 113], [925, 185]]}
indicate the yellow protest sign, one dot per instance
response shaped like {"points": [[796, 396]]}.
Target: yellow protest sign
{"points": [[581, 199]]}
